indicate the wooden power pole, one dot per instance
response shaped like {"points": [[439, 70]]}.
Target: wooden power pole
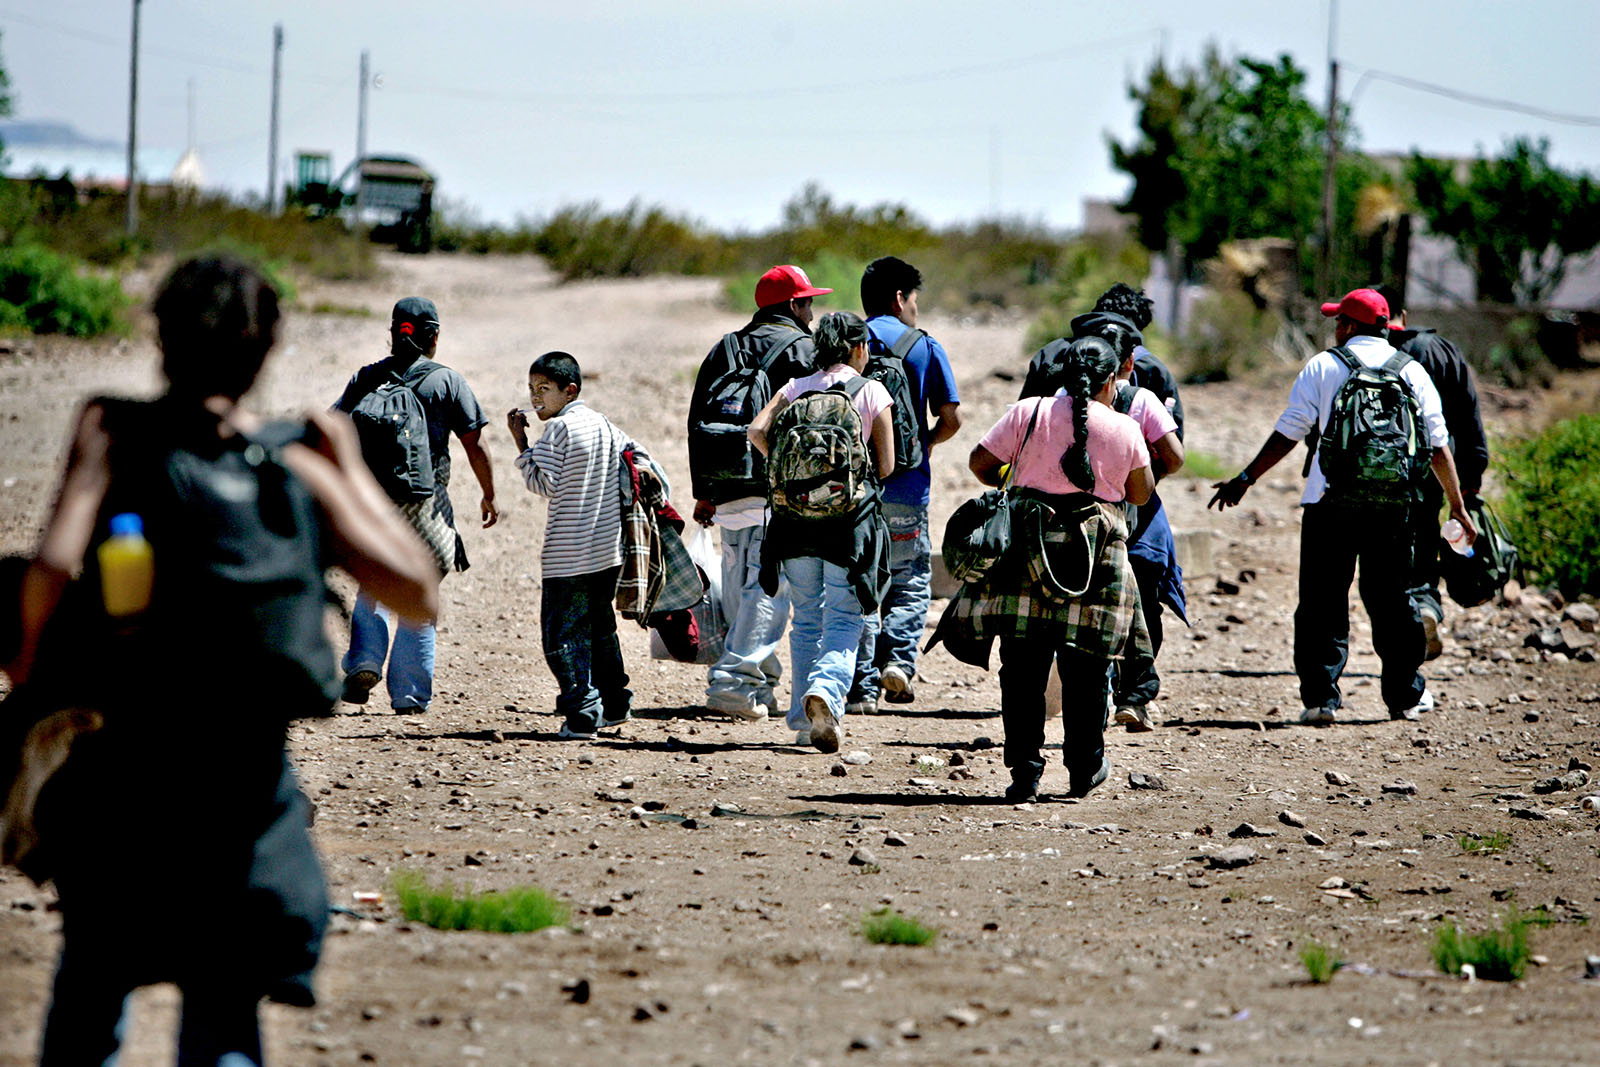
{"points": [[133, 127]]}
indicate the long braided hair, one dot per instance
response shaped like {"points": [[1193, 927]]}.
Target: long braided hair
{"points": [[1089, 363]]}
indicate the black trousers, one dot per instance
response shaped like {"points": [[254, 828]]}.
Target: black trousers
{"points": [[1085, 684], [1137, 680], [1425, 548], [1333, 540]]}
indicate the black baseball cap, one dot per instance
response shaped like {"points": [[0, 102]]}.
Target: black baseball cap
{"points": [[415, 315]]}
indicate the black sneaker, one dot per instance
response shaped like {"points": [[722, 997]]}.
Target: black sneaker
{"points": [[1023, 791], [1082, 787], [358, 685]]}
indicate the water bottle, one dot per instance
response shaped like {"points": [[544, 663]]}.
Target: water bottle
{"points": [[127, 567], [1455, 535]]}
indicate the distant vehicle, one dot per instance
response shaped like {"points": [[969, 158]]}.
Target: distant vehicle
{"points": [[391, 194]]}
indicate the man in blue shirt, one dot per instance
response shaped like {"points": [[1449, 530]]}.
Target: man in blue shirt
{"points": [[887, 659]]}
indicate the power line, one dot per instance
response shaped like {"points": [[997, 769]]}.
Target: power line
{"points": [[1471, 98]]}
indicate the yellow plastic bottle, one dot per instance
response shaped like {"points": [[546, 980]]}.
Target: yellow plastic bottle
{"points": [[127, 567]]}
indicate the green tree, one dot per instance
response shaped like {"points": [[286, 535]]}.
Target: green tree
{"points": [[1518, 219], [1229, 149], [5, 100]]}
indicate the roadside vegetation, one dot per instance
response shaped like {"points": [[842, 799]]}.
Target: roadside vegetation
{"points": [[520, 909]]}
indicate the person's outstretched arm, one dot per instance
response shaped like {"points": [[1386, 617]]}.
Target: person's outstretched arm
{"points": [[1229, 493], [883, 443], [761, 425]]}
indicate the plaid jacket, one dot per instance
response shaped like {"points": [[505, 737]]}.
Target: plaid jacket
{"points": [[1029, 594], [657, 573]]}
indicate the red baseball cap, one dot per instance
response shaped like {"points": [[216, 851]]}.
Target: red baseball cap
{"points": [[782, 284], [1363, 305]]}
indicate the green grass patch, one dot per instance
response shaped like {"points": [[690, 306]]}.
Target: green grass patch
{"points": [[1498, 841], [1499, 954], [507, 911], [1320, 962], [1204, 465], [1551, 504], [42, 291], [328, 307], [888, 927]]}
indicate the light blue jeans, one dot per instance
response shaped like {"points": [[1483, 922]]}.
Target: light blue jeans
{"points": [[905, 608], [748, 669], [823, 638], [410, 674]]}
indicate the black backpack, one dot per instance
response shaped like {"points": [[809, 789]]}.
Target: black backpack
{"points": [[239, 561], [733, 385], [1374, 449], [888, 366], [393, 428], [1478, 578]]}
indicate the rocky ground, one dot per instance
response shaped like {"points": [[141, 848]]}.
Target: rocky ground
{"points": [[718, 874]]}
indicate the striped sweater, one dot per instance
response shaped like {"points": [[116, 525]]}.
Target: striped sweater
{"points": [[577, 464]]}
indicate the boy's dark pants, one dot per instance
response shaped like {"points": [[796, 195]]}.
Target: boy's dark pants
{"points": [[1332, 541], [1085, 683], [580, 645]]}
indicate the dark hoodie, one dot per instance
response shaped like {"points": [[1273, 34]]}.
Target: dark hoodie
{"points": [[1458, 396], [1150, 373]]}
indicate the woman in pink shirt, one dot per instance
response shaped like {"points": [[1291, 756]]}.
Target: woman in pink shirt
{"points": [[1066, 594]]}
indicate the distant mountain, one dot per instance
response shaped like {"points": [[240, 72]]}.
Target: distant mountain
{"points": [[44, 133]]}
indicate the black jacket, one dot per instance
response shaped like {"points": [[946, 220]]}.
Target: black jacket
{"points": [[1459, 396]]}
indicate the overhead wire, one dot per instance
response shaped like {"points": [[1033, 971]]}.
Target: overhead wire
{"points": [[1475, 99]]}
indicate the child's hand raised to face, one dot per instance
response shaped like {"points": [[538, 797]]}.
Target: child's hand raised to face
{"points": [[517, 423]]}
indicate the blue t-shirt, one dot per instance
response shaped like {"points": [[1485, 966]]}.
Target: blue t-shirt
{"points": [[933, 385]]}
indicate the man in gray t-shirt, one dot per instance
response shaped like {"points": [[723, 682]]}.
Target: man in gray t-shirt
{"points": [[450, 408]]}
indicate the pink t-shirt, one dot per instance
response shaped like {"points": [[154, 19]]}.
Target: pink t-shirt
{"points": [[1116, 446], [869, 402], [1148, 410]]}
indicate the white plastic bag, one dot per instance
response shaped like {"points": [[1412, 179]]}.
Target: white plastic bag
{"points": [[708, 616]]}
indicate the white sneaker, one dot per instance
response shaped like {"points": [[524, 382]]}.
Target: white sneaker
{"points": [[824, 727], [897, 685], [1410, 714], [861, 707], [1316, 716], [1136, 717], [738, 706], [566, 733], [802, 737]]}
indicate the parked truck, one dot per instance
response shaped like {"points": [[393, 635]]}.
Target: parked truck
{"points": [[392, 195]]}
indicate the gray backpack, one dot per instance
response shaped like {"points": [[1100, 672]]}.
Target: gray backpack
{"points": [[820, 467], [393, 429]]}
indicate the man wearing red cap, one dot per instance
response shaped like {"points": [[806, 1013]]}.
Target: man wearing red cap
{"points": [[737, 378], [1336, 534]]}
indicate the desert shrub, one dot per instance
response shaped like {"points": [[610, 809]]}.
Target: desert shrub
{"points": [[1551, 503], [1227, 335], [827, 270], [1085, 268], [274, 270], [1203, 465], [587, 242], [508, 911], [1320, 961], [43, 292], [1499, 954], [888, 927]]}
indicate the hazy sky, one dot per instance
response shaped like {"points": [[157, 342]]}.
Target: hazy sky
{"points": [[722, 110]]}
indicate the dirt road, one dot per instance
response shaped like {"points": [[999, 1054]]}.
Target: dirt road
{"points": [[722, 927]]}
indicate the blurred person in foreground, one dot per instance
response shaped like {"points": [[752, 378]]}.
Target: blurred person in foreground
{"points": [[176, 833]]}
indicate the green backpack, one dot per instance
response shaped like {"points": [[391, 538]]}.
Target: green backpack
{"points": [[820, 467], [1374, 450]]}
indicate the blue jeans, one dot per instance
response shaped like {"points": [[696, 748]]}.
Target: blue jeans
{"points": [[827, 628], [410, 674], [579, 630], [905, 609], [748, 669], [88, 1020]]}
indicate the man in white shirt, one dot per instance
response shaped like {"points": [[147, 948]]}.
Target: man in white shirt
{"points": [[1335, 534]]}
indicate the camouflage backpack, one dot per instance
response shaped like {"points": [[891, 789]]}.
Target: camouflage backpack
{"points": [[820, 467], [1374, 450]]}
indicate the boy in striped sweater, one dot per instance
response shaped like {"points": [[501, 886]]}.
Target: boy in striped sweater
{"points": [[576, 463]]}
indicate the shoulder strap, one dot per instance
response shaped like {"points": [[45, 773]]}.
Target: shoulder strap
{"points": [[1347, 357], [771, 357], [852, 386], [906, 342], [1011, 473], [1396, 363], [414, 377], [1122, 402]]}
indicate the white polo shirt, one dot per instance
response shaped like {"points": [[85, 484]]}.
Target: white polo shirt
{"points": [[1311, 400]]}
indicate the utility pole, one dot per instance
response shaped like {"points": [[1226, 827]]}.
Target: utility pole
{"points": [[1325, 263], [361, 129], [133, 127], [272, 133]]}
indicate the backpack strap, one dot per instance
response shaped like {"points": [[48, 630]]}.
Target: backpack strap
{"points": [[1347, 357], [1396, 363], [1122, 402], [852, 386], [765, 363], [906, 342]]}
